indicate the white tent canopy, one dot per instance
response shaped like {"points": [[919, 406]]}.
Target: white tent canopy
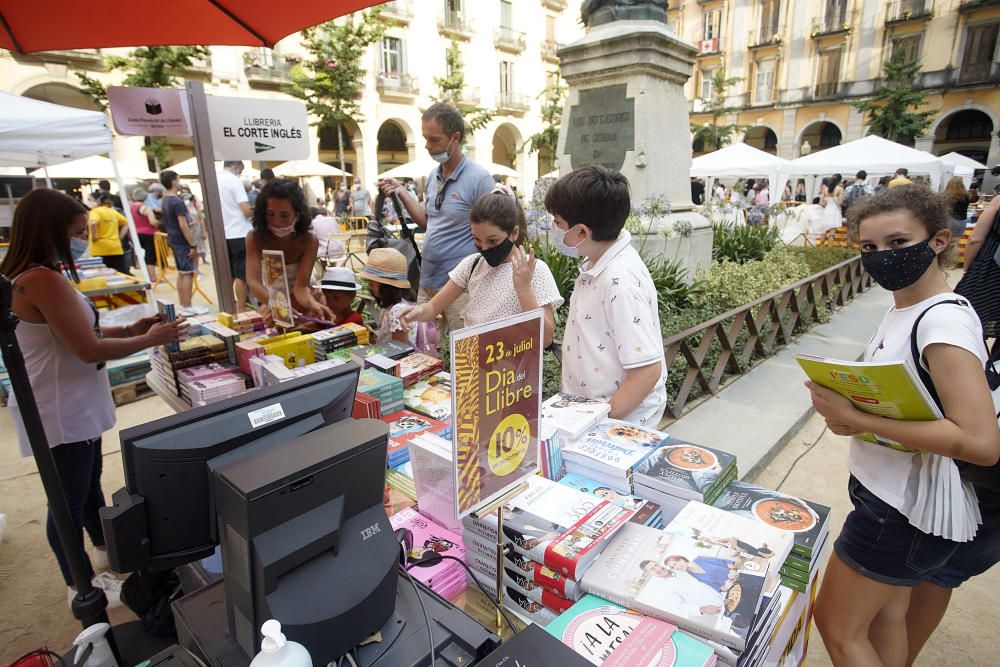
{"points": [[965, 167], [93, 168], [739, 160], [303, 168], [422, 168], [875, 155], [189, 167], [34, 133]]}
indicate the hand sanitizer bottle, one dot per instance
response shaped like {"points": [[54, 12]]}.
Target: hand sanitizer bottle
{"points": [[277, 651], [99, 654]]}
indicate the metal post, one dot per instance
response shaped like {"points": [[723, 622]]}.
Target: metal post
{"points": [[202, 136], [500, 551], [90, 604], [127, 210]]}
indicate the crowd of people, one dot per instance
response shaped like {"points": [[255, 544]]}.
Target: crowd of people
{"points": [[888, 583]]}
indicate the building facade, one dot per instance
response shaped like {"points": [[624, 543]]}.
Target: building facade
{"points": [[507, 47], [802, 62]]}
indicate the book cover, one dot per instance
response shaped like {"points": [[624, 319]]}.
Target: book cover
{"points": [[481, 555], [403, 427], [380, 385], [699, 586], [532, 647], [761, 547], [607, 634], [431, 396], [274, 275], [806, 521], [523, 607], [417, 366], [646, 511], [613, 445], [393, 349], [573, 415], [429, 536], [684, 469], [169, 313], [891, 390]]}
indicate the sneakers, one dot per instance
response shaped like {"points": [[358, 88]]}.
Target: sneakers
{"points": [[112, 590], [192, 310]]}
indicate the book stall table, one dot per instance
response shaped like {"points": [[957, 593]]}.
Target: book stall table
{"points": [[124, 290]]}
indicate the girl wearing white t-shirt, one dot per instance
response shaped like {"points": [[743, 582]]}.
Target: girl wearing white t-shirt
{"points": [[502, 279], [881, 557]]}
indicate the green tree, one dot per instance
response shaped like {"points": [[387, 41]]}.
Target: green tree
{"points": [[451, 88], [717, 133], [548, 137], [146, 67], [331, 78], [893, 111]]}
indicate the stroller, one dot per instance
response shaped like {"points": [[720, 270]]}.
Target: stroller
{"points": [[379, 236]]}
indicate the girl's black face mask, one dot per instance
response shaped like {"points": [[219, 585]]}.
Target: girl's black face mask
{"points": [[496, 255], [899, 268]]}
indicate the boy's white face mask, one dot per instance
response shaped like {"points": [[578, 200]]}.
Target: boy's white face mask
{"points": [[559, 241]]}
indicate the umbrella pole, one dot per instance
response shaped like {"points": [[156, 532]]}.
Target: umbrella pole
{"points": [[48, 181], [90, 604]]}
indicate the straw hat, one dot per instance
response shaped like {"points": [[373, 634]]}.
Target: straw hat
{"points": [[387, 266], [339, 279]]}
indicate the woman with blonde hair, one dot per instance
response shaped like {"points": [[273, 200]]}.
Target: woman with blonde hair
{"points": [[957, 198]]}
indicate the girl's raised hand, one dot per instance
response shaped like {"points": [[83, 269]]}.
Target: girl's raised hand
{"points": [[523, 265]]}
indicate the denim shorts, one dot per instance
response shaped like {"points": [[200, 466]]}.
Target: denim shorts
{"points": [[181, 259], [880, 543], [982, 553]]}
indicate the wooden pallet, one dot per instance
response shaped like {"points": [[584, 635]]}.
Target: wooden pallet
{"points": [[130, 392]]}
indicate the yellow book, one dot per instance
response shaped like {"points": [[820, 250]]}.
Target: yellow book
{"points": [[891, 390]]}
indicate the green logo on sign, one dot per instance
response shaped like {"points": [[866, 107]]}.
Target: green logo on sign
{"points": [[260, 148]]}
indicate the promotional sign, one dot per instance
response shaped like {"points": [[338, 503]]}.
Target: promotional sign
{"points": [[496, 403], [258, 129], [275, 278], [150, 112]]}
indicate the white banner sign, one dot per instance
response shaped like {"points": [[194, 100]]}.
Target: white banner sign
{"points": [[149, 112], [257, 129]]}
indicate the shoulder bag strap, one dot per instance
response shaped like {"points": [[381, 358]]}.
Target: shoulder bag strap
{"points": [[925, 376]]}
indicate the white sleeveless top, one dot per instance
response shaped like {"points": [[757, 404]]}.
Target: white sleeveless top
{"points": [[73, 397]]}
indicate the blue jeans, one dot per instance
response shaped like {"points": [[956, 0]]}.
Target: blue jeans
{"points": [[79, 466]]}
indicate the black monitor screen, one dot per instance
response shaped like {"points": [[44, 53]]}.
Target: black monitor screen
{"points": [[166, 461]]}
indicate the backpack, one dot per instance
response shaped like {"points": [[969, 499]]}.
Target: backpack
{"points": [[985, 476], [854, 193]]}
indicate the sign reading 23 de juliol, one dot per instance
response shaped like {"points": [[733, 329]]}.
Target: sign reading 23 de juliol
{"points": [[245, 128], [496, 403]]}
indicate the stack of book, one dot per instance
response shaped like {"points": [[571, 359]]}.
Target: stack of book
{"points": [[681, 471], [210, 382], [401, 479], [446, 578], [550, 460], [431, 397], [573, 415], [344, 353], [228, 336], [807, 522], [404, 426], [607, 634], [366, 407], [339, 338], [553, 525], [392, 349], [243, 323], [608, 452], [192, 352], [646, 511], [387, 389], [417, 366]]}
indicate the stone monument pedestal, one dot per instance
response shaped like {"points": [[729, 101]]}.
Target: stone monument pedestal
{"points": [[626, 110]]}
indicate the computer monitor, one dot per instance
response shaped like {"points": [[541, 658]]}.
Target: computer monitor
{"points": [[165, 515]]}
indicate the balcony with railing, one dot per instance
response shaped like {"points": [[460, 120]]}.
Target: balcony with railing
{"points": [[973, 5], [397, 86], [468, 99], [273, 74], [831, 23], [86, 57], [901, 11], [512, 103], [397, 11], [550, 50], [825, 90], [455, 25], [764, 37], [508, 39], [979, 73], [200, 68], [554, 5]]}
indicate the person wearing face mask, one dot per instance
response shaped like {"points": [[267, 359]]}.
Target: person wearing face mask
{"points": [[452, 189], [341, 200], [888, 583], [361, 201], [281, 222], [612, 347], [501, 279]]}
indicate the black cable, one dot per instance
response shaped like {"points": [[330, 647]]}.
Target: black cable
{"points": [[427, 619], [433, 558], [799, 458]]}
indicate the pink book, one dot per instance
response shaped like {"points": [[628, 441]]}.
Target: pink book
{"points": [[204, 372], [428, 535]]}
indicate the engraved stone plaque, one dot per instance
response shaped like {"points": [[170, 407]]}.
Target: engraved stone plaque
{"points": [[601, 127]]}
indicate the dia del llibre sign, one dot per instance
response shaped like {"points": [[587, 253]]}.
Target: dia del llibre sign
{"points": [[601, 127]]}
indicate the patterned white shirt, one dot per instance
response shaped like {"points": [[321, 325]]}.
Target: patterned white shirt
{"points": [[614, 326], [491, 289]]}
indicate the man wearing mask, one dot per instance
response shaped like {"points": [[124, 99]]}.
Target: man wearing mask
{"points": [[236, 215], [451, 190], [361, 201], [341, 200]]}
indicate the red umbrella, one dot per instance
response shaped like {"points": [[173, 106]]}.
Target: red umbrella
{"points": [[46, 25]]}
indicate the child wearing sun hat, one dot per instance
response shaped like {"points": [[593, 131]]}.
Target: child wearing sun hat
{"points": [[389, 285], [339, 289]]}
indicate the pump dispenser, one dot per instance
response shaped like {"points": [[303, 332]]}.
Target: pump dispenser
{"points": [[277, 651]]}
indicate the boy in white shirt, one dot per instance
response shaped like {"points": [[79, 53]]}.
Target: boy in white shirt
{"points": [[612, 346]]}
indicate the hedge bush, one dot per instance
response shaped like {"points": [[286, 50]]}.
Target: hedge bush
{"points": [[742, 243]]}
